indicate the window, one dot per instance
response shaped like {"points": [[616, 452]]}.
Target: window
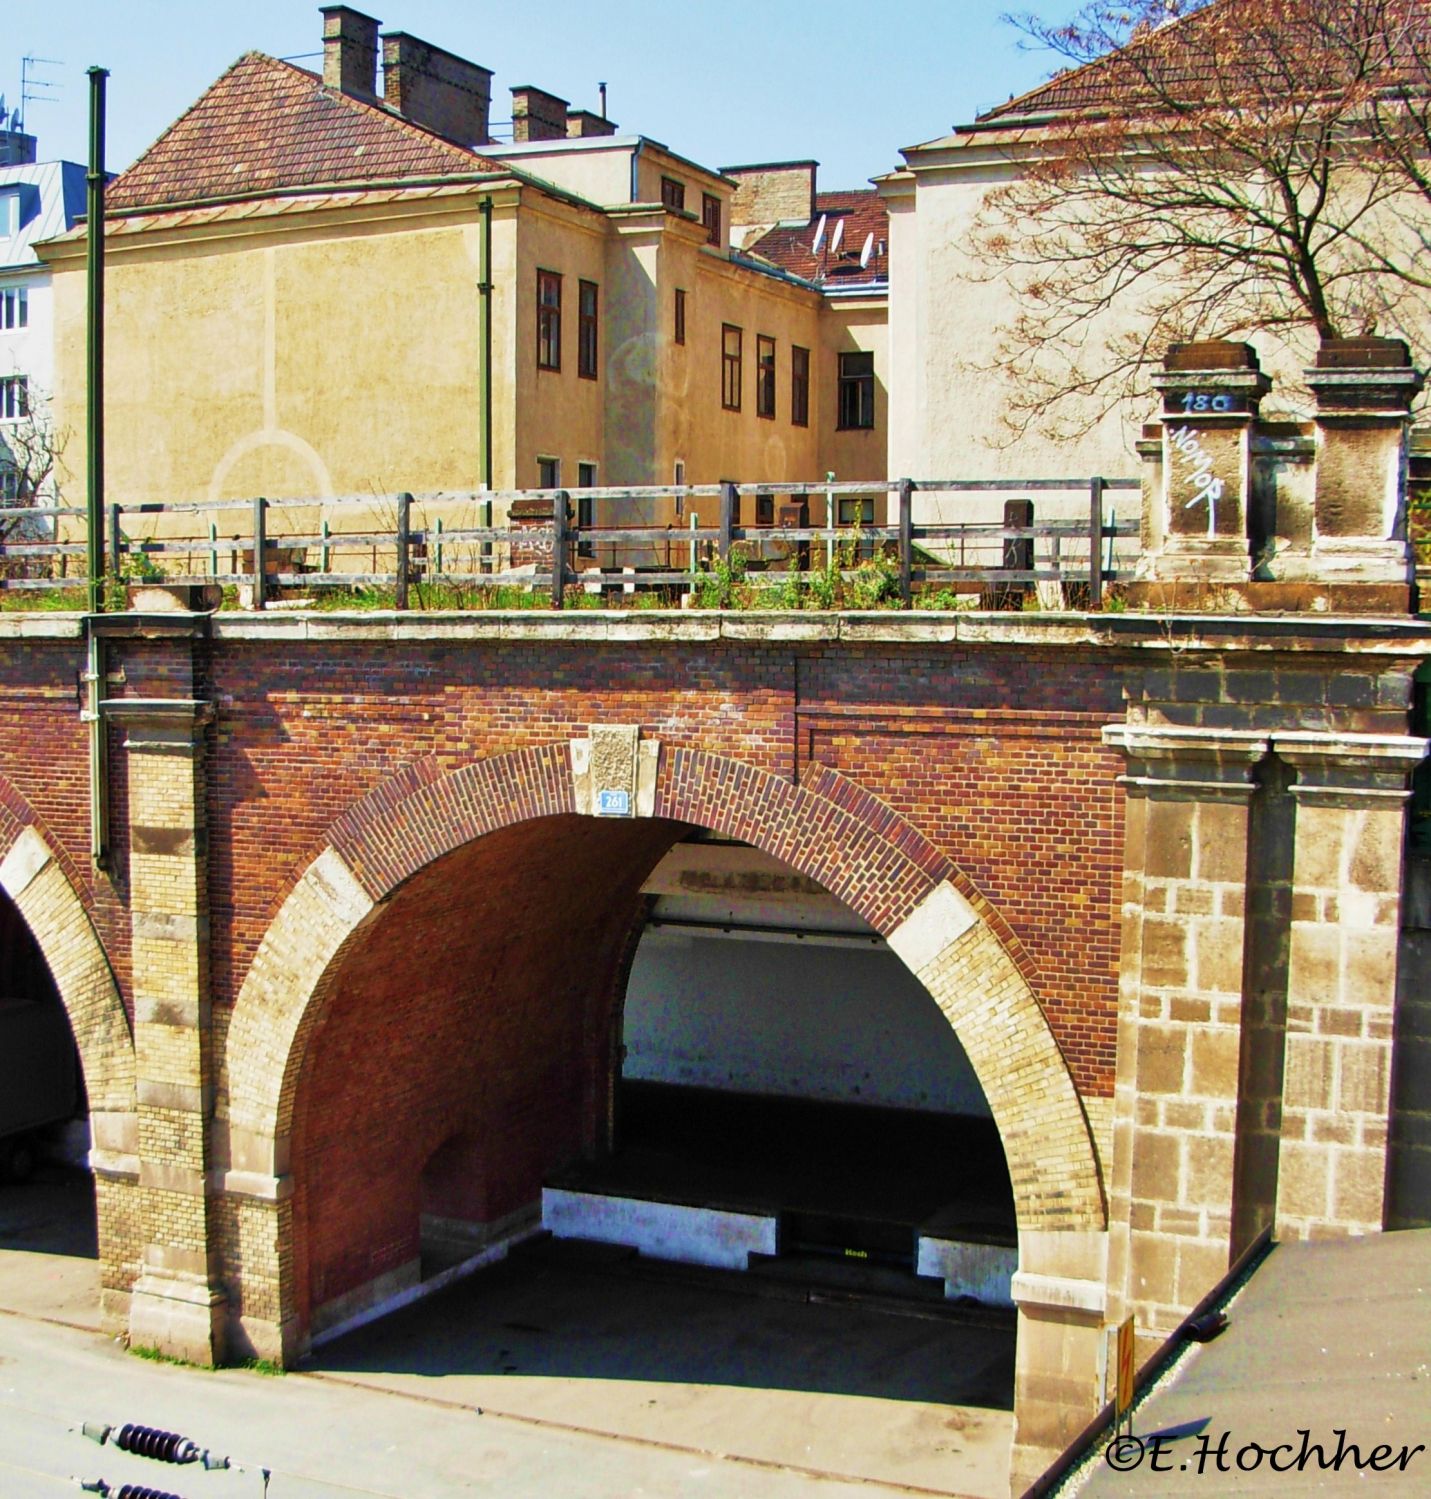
{"points": [[673, 193], [548, 320], [14, 308], [680, 316], [764, 376], [855, 511], [548, 473], [586, 330], [730, 367], [765, 510], [679, 482], [9, 214], [856, 390], [14, 398], [710, 217], [9, 484], [799, 386], [585, 505]]}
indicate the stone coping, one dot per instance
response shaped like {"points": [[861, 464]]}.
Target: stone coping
{"points": [[1357, 634]]}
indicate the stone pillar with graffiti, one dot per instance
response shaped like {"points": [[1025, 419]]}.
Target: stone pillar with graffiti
{"points": [[1198, 476], [1279, 516]]}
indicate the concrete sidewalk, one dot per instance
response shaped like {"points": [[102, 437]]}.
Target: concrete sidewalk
{"points": [[1327, 1337], [323, 1440], [568, 1374]]}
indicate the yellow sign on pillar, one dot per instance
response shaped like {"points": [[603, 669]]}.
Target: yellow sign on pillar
{"points": [[1126, 1369]]}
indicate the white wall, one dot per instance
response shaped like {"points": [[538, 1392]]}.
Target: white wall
{"points": [[847, 1024]]}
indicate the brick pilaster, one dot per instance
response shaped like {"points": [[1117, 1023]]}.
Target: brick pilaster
{"points": [[177, 1306]]}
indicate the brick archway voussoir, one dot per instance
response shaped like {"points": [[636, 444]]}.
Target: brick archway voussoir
{"points": [[34, 879]]}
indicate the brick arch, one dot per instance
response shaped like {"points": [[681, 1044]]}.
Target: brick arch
{"points": [[828, 828], [33, 876]]}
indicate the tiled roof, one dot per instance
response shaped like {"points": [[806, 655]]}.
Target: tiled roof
{"points": [[862, 212], [267, 125], [1211, 55]]}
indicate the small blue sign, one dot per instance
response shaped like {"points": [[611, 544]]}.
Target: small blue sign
{"points": [[613, 804]]}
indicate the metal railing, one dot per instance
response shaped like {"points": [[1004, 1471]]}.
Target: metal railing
{"points": [[553, 541]]}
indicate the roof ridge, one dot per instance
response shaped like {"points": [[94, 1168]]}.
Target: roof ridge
{"points": [[1065, 75], [383, 110], [179, 119], [267, 123]]}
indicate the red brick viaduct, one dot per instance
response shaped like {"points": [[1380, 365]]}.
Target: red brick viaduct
{"points": [[353, 877], [356, 944]]}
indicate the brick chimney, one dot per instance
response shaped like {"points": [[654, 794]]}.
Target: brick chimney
{"points": [[581, 123], [350, 51], [778, 192], [437, 89], [537, 115]]}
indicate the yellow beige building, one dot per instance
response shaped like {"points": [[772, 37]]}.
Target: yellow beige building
{"points": [[317, 289]]}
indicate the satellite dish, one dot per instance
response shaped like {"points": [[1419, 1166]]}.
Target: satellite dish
{"points": [[836, 237], [819, 236], [866, 250]]}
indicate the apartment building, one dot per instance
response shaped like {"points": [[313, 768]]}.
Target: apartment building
{"points": [[342, 285], [37, 200]]}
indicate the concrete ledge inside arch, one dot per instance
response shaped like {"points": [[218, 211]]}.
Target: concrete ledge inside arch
{"points": [[894, 1202]]}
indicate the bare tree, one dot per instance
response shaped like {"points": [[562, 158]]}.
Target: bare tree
{"points": [[30, 451], [1208, 171]]}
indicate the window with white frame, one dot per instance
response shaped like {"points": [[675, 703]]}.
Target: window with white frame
{"points": [[9, 213], [14, 308], [14, 398]]}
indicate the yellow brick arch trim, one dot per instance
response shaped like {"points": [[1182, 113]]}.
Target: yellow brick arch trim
{"points": [[828, 829], [35, 880]]}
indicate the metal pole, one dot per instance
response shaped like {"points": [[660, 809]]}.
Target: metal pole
{"points": [[94, 341], [98, 750], [1095, 543], [485, 379], [116, 542], [906, 541]]}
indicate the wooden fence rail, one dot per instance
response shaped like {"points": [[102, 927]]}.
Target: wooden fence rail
{"points": [[557, 543]]}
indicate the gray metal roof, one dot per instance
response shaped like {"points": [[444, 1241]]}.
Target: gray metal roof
{"points": [[52, 200]]}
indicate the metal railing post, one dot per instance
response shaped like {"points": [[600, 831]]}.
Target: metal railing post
{"points": [[260, 544], [906, 542], [559, 504], [1095, 543], [404, 542]]}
